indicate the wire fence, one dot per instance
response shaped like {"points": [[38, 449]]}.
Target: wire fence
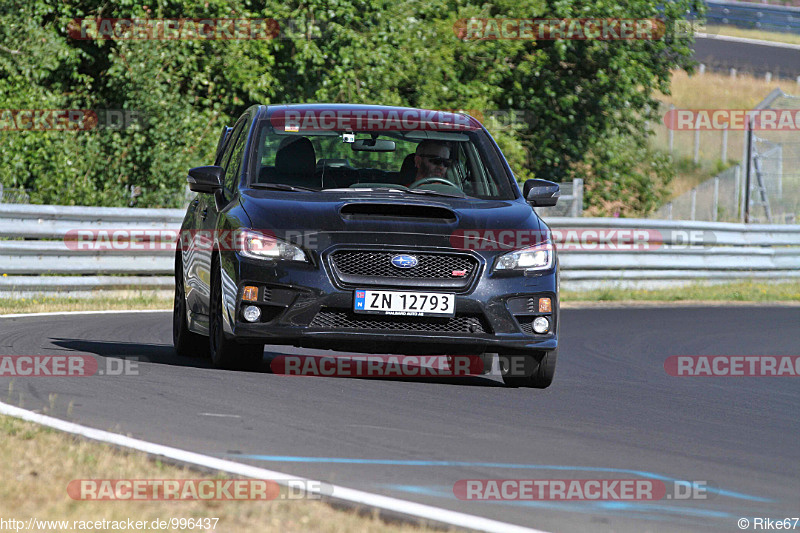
{"points": [[714, 200], [13, 196], [767, 190], [774, 195]]}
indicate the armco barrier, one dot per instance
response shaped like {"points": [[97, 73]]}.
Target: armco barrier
{"points": [[34, 258], [754, 15], [691, 251]]}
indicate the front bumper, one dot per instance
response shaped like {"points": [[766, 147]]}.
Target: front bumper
{"points": [[305, 305]]}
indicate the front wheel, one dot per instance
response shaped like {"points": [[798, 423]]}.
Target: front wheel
{"points": [[529, 370], [186, 342], [227, 353]]}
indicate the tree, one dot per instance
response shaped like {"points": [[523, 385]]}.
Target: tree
{"points": [[580, 107]]}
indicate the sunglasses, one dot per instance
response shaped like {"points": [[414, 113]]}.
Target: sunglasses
{"points": [[436, 160]]}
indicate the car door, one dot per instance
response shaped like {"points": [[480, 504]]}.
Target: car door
{"points": [[187, 239], [207, 209], [198, 258]]}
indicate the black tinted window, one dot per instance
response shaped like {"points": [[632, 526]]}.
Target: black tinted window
{"points": [[232, 157]]}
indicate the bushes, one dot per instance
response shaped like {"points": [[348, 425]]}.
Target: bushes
{"points": [[574, 95]]}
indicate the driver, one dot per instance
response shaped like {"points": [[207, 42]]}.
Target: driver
{"points": [[431, 159]]}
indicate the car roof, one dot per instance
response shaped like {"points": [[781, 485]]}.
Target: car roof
{"points": [[268, 110]]}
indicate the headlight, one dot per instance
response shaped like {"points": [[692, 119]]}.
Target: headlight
{"points": [[260, 246], [539, 257]]}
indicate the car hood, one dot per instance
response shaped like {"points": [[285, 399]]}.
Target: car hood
{"points": [[378, 218]]}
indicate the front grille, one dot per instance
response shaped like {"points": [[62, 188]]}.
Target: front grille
{"points": [[445, 271], [379, 264], [332, 319]]}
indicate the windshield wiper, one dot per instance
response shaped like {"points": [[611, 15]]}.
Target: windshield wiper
{"points": [[281, 187]]}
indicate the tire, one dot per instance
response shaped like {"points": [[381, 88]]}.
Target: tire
{"points": [[477, 365], [534, 371], [186, 342], [227, 353]]}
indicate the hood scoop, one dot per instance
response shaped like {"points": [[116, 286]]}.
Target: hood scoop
{"points": [[397, 211]]}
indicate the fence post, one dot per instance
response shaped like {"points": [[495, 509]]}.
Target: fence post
{"points": [[670, 131], [669, 211], [694, 203], [743, 172], [748, 162], [779, 150], [577, 197], [716, 198], [737, 190], [724, 155]]}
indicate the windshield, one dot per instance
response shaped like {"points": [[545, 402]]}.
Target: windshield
{"points": [[448, 163]]}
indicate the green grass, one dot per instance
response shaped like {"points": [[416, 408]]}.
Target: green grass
{"points": [[127, 300], [733, 31], [743, 291], [38, 463]]}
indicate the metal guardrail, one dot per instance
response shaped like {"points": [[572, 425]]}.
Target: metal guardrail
{"points": [[754, 16], [677, 252], [35, 259]]}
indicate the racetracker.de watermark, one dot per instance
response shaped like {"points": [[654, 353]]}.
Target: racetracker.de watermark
{"points": [[206, 29], [581, 239], [71, 119], [733, 365], [732, 119], [579, 490], [74, 366], [548, 29], [196, 489], [577, 239], [147, 240], [499, 118], [333, 119], [377, 366]]}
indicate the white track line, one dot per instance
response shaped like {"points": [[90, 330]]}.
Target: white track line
{"points": [[67, 313], [745, 40], [342, 494]]}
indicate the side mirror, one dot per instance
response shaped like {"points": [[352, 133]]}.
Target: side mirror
{"points": [[205, 179], [541, 193]]}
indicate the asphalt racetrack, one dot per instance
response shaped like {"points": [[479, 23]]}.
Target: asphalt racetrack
{"points": [[612, 412], [750, 58]]}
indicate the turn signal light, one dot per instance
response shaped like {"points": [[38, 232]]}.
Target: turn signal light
{"points": [[545, 306], [251, 294]]}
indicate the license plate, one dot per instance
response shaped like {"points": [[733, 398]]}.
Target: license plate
{"points": [[404, 303]]}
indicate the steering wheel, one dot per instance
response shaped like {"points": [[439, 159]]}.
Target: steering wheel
{"points": [[423, 181]]}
